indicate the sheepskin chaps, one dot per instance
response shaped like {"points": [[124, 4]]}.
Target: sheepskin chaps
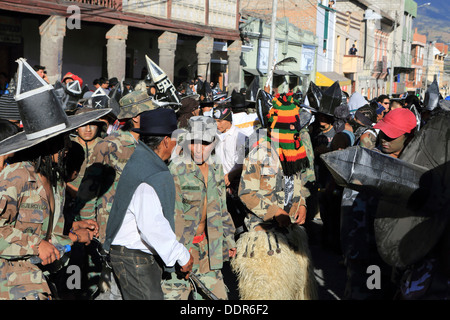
{"points": [[275, 265]]}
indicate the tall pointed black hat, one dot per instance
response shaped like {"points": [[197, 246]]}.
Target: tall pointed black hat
{"points": [[362, 169], [101, 99], [263, 106], [166, 91], [314, 95], [41, 112], [431, 144], [331, 99], [432, 96], [69, 94], [114, 97], [116, 93], [413, 209], [98, 100]]}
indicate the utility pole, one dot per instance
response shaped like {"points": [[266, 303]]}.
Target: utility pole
{"points": [[391, 73], [430, 44], [272, 41]]}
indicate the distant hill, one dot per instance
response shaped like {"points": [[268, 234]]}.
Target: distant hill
{"points": [[433, 20]]}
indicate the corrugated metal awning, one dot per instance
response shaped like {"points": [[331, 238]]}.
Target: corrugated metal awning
{"points": [[254, 72], [280, 73], [298, 74]]}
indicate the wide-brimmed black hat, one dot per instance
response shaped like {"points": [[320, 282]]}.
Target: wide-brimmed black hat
{"points": [[8, 107], [157, 122], [41, 112], [238, 100], [412, 211]]}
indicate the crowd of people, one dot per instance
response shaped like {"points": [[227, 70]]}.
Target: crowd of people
{"points": [[155, 197]]}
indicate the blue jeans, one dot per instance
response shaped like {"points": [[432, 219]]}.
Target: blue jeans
{"points": [[138, 274]]}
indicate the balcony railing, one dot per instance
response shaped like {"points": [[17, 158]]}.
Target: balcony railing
{"points": [[352, 64], [112, 4]]}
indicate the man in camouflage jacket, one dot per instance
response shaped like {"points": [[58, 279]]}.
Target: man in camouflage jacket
{"points": [[273, 258], [195, 197], [109, 157], [96, 193], [25, 216], [262, 187]]}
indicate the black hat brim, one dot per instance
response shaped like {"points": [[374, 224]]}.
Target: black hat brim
{"points": [[155, 132], [20, 142]]}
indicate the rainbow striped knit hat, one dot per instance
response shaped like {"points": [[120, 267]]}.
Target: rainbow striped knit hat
{"points": [[284, 130]]}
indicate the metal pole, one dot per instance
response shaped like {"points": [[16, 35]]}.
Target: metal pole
{"points": [[428, 65], [391, 73], [272, 40]]}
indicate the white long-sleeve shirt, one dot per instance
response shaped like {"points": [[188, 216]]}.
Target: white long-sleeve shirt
{"points": [[145, 228], [231, 148]]}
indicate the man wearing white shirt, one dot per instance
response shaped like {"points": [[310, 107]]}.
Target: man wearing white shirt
{"points": [[140, 227], [230, 151], [230, 148]]}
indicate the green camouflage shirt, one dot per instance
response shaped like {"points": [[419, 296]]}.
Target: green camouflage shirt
{"points": [[88, 152], [262, 185], [24, 220], [98, 187], [189, 203]]}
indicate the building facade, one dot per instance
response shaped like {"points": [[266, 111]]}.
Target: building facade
{"points": [[290, 42], [295, 37], [368, 69], [399, 63], [414, 83], [110, 38], [349, 33]]}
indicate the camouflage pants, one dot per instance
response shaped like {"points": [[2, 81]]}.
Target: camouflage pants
{"points": [[22, 280], [177, 288]]}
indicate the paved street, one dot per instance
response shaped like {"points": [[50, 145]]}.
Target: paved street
{"points": [[328, 267]]}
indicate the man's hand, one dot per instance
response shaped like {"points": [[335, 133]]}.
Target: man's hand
{"points": [[81, 235], [300, 217], [47, 252], [232, 252], [227, 180], [188, 267], [90, 224]]}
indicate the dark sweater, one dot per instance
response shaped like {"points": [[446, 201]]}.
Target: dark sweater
{"points": [[144, 166]]}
